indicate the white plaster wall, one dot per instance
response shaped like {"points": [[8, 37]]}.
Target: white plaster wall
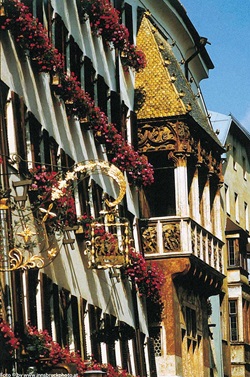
{"points": [[69, 270]]}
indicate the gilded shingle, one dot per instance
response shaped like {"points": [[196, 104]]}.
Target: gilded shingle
{"points": [[161, 98], [163, 89]]}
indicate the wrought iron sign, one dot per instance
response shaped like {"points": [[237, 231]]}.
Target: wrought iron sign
{"points": [[110, 242], [24, 238], [25, 244]]}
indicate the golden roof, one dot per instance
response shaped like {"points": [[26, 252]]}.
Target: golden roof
{"points": [[160, 96]]}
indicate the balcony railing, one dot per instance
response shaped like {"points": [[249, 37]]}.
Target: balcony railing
{"points": [[172, 235]]}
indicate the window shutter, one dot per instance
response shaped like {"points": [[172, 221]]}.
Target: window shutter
{"points": [[32, 286], [35, 138], [110, 322], [45, 147], [18, 302], [94, 316], [134, 129], [89, 77], [64, 304], [83, 304], [102, 94], [116, 109], [47, 293], [57, 313], [75, 322], [19, 110], [129, 21]]}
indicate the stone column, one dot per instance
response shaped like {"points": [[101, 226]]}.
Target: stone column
{"points": [[181, 186], [205, 202], [194, 197], [216, 219]]}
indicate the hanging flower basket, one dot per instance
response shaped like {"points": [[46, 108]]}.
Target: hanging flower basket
{"points": [[31, 36], [8, 343]]}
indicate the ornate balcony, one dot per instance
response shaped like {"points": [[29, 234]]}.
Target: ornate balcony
{"points": [[166, 237]]}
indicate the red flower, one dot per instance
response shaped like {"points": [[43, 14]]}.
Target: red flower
{"points": [[148, 279], [43, 182], [105, 21], [12, 343], [32, 36]]}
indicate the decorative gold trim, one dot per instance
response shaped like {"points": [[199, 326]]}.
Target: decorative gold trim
{"points": [[92, 166], [110, 244]]}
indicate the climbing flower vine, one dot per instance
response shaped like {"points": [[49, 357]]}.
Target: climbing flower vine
{"points": [[31, 36]]}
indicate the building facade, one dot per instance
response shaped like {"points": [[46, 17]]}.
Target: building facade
{"points": [[235, 196], [181, 222], [93, 104]]}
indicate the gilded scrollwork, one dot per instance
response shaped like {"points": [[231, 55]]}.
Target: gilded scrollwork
{"points": [[152, 137], [171, 237], [168, 136], [209, 160], [176, 139], [110, 242], [184, 141]]}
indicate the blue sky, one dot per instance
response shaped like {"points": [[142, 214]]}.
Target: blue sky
{"points": [[226, 24]]}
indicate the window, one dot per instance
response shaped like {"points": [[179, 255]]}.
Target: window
{"points": [[129, 21], [102, 94], [75, 322], [49, 150], [60, 35], [191, 322], [94, 318], [236, 205], [64, 318], [75, 58], [233, 252], [97, 197], [237, 256], [246, 215], [234, 159], [233, 320], [118, 5], [35, 140], [151, 206], [89, 78], [227, 199], [47, 297], [134, 129], [38, 10], [244, 168], [65, 160], [32, 280], [116, 109], [84, 200], [16, 124], [156, 337]]}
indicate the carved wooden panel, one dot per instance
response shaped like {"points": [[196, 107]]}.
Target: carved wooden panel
{"points": [[171, 237], [149, 240]]}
